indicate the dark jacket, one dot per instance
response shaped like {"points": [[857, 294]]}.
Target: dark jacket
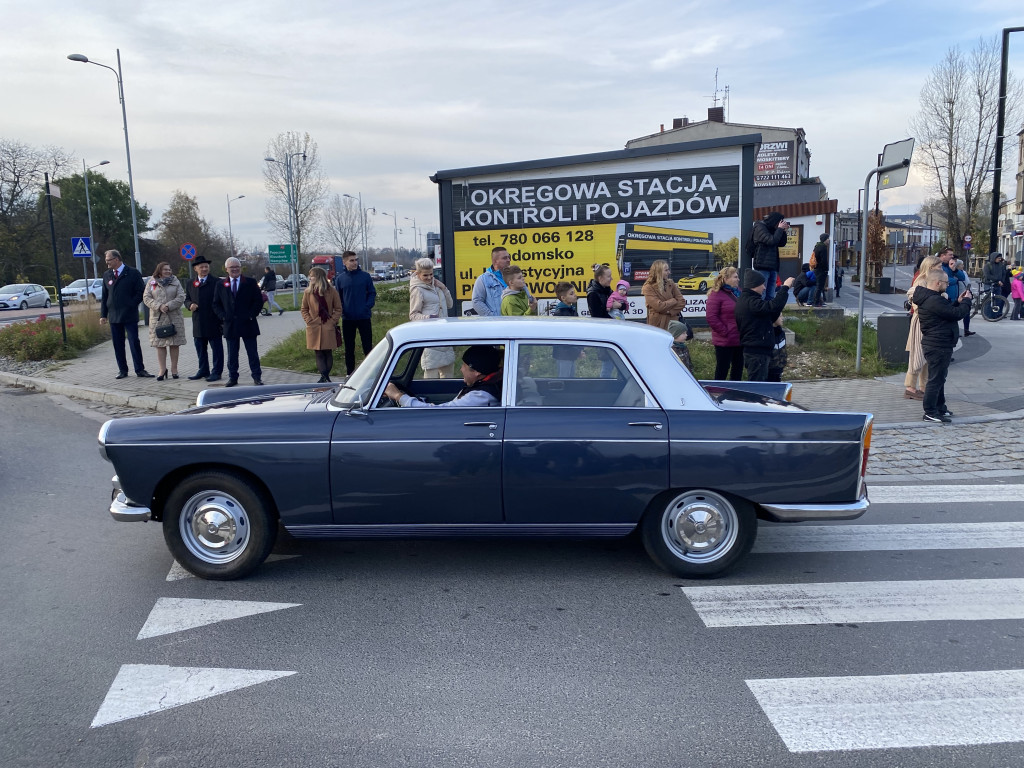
{"points": [[564, 310], [269, 281], [122, 296], [768, 238], [205, 323], [939, 318], [358, 294], [755, 316], [238, 313], [994, 273], [597, 299], [820, 252]]}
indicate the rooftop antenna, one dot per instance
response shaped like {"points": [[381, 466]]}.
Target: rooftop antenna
{"points": [[724, 99]]}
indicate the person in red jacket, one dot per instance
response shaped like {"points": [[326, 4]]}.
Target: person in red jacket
{"points": [[721, 316]]}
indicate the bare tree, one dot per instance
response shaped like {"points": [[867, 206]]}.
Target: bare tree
{"points": [[956, 131], [309, 185], [24, 237], [340, 224]]}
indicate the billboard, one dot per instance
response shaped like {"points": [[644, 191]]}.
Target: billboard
{"points": [[557, 218], [775, 164]]}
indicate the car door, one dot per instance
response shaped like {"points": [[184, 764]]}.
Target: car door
{"points": [[585, 443], [37, 296], [417, 466]]}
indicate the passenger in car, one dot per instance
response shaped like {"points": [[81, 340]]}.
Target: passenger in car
{"points": [[481, 370]]}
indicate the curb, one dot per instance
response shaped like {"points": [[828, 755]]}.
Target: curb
{"points": [[77, 392]]}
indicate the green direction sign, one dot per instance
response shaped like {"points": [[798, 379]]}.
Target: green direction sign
{"points": [[280, 254]]}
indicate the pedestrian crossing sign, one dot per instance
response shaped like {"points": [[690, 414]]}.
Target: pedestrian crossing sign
{"points": [[81, 247]]}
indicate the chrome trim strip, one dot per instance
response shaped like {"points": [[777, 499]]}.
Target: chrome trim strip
{"points": [[771, 442], [235, 442], [462, 530], [796, 513], [125, 512]]}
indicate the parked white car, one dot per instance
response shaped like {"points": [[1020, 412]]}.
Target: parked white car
{"points": [[77, 291]]}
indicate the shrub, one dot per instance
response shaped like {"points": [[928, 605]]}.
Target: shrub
{"points": [[41, 339]]}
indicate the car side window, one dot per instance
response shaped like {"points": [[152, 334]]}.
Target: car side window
{"points": [[565, 375]]}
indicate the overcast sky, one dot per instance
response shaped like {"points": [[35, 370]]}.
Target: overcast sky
{"points": [[394, 91]]}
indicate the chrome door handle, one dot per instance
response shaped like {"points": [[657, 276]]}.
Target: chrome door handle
{"points": [[480, 424], [655, 424]]}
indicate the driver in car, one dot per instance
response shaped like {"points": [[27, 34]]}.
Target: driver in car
{"points": [[481, 370]]}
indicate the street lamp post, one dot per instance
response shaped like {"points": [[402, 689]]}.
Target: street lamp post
{"points": [[88, 210], [415, 233], [1000, 120], [231, 238], [289, 195], [395, 251], [362, 227], [127, 146]]}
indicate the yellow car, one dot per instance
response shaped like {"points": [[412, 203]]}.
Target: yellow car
{"points": [[698, 281]]}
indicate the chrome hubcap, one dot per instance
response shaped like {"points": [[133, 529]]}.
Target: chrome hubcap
{"points": [[214, 527], [700, 526]]}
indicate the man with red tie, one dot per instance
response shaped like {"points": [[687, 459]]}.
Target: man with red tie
{"points": [[119, 306], [237, 303]]}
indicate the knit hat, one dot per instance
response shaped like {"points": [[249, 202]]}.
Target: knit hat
{"points": [[483, 359], [823, 236], [752, 279], [678, 329], [622, 284]]}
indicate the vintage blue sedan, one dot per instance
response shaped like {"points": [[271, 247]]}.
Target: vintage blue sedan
{"points": [[598, 429]]}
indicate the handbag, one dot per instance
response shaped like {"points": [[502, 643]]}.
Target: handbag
{"points": [[165, 331]]}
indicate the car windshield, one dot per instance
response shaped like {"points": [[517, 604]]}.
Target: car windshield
{"points": [[356, 390], [77, 284]]}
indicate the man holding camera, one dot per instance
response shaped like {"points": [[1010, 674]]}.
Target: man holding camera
{"points": [[939, 333], [769, 235]]}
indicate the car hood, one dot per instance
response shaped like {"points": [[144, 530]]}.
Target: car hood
{"points": [[246, 401]]}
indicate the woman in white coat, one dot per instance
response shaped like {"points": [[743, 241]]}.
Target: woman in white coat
{"points": [[429, 298]]}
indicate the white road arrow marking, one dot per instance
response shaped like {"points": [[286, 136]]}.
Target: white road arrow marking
{"points": [[877, 538], [943, 494], [174, 614], [859, 602], [177, 573], [818, 714], [142, 689]]}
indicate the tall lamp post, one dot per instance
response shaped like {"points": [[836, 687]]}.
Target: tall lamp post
{"points": [[395, 251], [88, 210], [291, 210], [231, 238], [997, 176], [362, 227], [415, 233], [127, 147]]}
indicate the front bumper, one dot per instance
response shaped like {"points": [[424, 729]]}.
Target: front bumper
{"points": [[123, 510], [798, 513]]}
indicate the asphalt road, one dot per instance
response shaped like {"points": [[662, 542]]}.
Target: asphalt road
{"points": [[493, 653]]}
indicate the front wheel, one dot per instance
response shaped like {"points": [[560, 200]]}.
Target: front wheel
{"points": [[218, 525], [24, 305], [994, 308], [703, 287], [699, 533]]}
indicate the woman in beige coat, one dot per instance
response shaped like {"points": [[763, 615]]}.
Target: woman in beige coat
{"points": [[164, 296], [664, 300], [917, 368], [321, 311], [428, 299]]}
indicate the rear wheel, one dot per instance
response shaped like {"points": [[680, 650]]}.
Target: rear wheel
{"points": [[994, 308], [218, 525], [47, 304], [699, 533]]}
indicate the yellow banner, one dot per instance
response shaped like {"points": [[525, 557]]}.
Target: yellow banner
{"points": [[547, 256]]}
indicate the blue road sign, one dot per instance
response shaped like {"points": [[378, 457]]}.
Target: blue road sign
{"points": [[81, 247], [188, 251]]}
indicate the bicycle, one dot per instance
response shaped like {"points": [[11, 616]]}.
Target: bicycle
{"points": [[993, 306]]}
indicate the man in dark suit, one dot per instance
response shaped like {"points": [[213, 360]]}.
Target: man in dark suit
{"points": [[237, 303], [119, 306], [206, 326]]}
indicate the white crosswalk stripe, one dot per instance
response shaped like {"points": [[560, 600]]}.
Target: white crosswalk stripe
{"points": [[943, 494], [817, 714], [858, 602], [887, 538]]}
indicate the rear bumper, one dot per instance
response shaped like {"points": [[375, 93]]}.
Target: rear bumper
{"points": [[797, 513], [123, 510]]}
